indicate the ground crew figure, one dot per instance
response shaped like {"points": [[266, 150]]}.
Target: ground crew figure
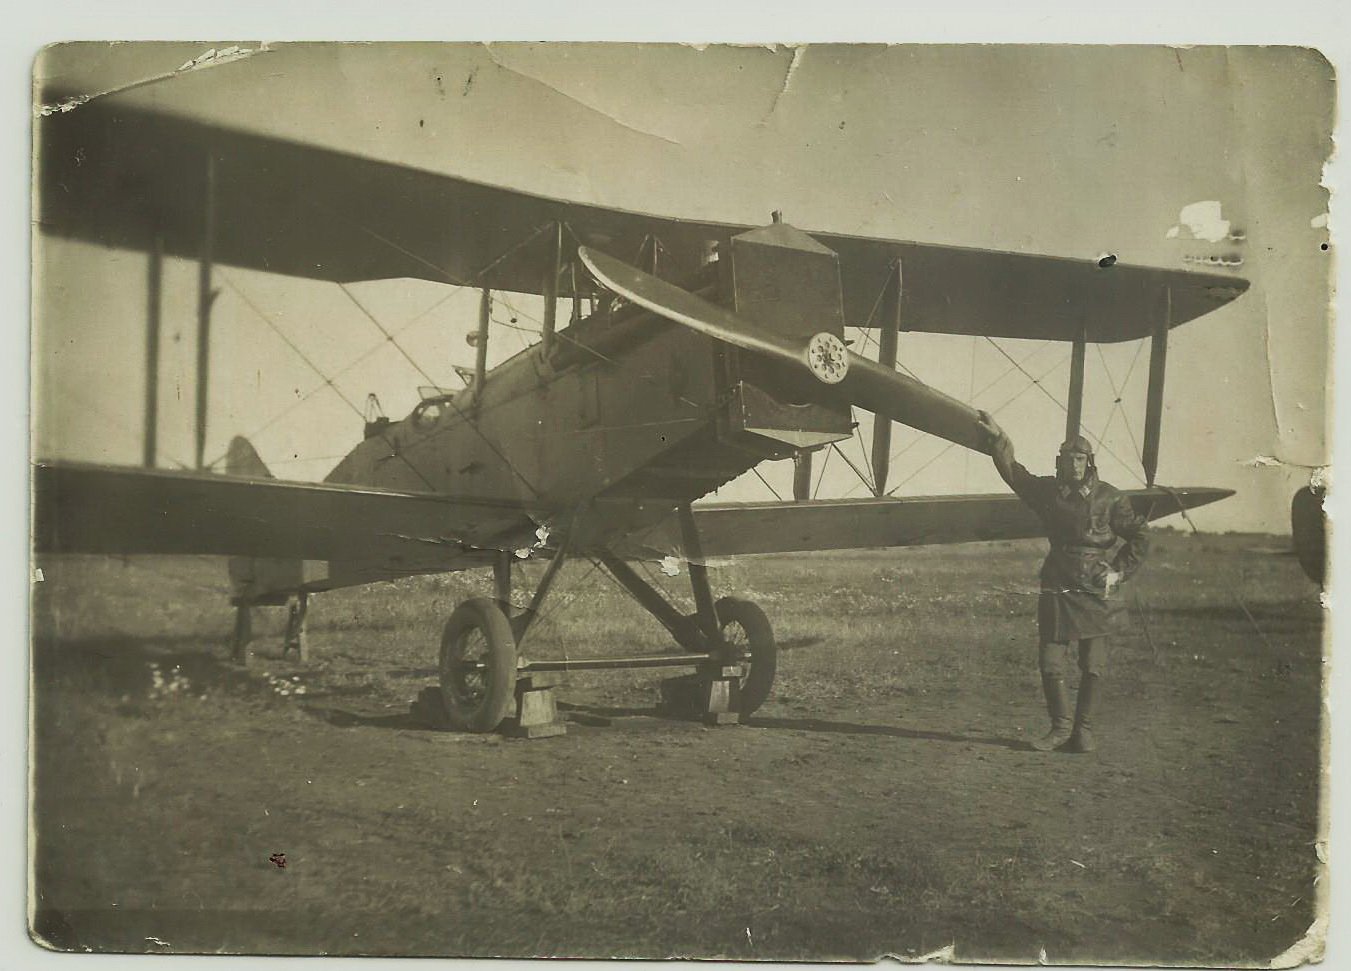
{"points": [[1097, 542]]}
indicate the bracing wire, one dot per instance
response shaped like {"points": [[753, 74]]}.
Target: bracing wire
{"points": [[1130, 469], [388, 336], [821, 477], [862, 477], [951, 445], [772, 490], [329, 381], [986, 387], [1118, 394]]}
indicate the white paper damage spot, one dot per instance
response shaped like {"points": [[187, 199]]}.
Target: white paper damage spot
{"points": [[209, 58], [1307, 950], [542, 533], [1319, 221], [670, 565], [1229, 261], [1201, 220], [793, 65], [213, 56], [37, 575], [947, 954], [1262, 462]]}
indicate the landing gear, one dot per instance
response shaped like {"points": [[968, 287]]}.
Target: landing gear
{"points": [[296, 638], [478, 666], [749, 642], [484, 680], [730, 641], [239, 642]]}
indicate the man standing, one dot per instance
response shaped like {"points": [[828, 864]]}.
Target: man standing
{"points": [[1097, 542]]}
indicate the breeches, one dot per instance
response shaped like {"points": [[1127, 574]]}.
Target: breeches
{"points": [[1053, 657]]}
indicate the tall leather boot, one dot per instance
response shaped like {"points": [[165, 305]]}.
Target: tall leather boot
{"points": [[1090, 690], [1058, 706]]}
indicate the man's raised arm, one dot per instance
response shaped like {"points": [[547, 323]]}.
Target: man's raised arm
{"points": [[1020, 480]]}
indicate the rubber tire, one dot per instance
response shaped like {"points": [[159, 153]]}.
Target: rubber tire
{"points": [[486, 713], [755, 687]]}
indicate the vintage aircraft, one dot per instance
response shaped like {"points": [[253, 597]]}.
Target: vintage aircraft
{"points": [[692, 352]]}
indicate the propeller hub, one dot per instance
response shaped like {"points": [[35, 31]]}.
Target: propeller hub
{"points": [[828, 358]]}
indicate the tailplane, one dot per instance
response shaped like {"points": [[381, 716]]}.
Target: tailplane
{"points": [[242, 459]]}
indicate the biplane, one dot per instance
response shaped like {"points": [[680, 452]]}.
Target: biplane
{"points": [[674, 356]]}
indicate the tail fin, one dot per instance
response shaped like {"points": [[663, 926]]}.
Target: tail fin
{"points": [[255, 580], [242, 459]]}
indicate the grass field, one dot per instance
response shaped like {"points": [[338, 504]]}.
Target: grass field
{"points": [[882, 801]]}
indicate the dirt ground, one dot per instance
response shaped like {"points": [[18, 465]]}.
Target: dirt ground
{"points": [[883, 801]]}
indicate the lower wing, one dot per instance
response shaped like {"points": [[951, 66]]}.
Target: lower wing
{"points": [[731, 529], [333, 534]]}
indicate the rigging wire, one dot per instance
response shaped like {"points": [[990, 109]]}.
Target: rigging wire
{"points": [[388, 336], [849, 462], [919, 438], [995, 411], [870, 481], [328, 382], [1118, 394], [767, 485], [363, 356], [821, 477], [1130, 470], [450, 402]]}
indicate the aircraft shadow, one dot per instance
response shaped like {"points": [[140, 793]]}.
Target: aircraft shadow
{"points": [[890, 731], [797, 643], [348, 719], [599, 714], [120, 665]]}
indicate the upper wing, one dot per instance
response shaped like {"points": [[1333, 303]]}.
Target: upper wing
{"points": [[730, 529], [80, 508], [122, 176]]}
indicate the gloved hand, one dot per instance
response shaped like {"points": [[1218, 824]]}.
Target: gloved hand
{"points": [[990, 427]]}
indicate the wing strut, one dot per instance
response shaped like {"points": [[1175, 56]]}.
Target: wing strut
{"points": [[552, 270], [205, 298], [1158, 359], [802, 475], [1075, 409], [485, 316], [153, 308], [887, 342]]}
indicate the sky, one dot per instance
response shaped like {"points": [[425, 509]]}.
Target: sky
{"points": [[1068, 151]]}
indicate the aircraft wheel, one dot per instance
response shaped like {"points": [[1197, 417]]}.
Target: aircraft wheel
{"points": [[746, 630], [478, 666]]}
